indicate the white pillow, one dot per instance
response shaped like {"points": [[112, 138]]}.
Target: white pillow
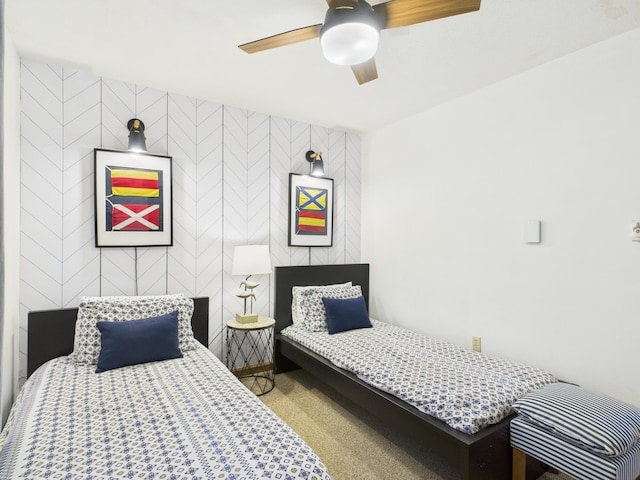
{"points": [[297, 315], [87, 340], [315, 315]]}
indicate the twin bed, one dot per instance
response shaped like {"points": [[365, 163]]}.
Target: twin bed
{"points": [[482, 455], [184, 418], [191, 418]]}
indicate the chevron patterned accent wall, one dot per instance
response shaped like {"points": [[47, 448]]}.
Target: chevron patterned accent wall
{"points": [[230, 181]]}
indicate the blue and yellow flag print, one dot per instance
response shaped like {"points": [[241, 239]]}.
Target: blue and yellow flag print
{"points": [[311, 211]]}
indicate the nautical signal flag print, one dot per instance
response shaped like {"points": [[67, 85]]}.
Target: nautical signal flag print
{"points": [[135, 217], [133, 200], [135, 183], [311, 211]]}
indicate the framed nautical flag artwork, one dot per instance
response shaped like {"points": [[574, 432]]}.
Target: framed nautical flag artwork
{"points": [[133, 199], [310, 211]]}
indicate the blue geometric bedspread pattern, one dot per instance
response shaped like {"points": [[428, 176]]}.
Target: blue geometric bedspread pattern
{"points": [[185, 418], [465, 389]]}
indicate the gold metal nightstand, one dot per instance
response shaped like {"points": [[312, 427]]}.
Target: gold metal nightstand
{"points": [[250, 353]]}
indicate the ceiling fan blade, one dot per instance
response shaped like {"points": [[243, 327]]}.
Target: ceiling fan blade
{"points": [[401, 13], [282, 39], [365, 72]]}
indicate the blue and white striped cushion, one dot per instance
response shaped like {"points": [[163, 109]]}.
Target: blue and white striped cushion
{"points": [[596, 422], [571, 459]]}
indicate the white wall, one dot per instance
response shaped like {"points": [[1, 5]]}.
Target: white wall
{"points": [[10, 232], [445, 194]]}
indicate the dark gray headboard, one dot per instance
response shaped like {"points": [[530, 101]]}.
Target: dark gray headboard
{"points": [[288, 277], [50, 332]]}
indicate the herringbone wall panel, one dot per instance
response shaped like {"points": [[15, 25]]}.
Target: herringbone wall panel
{"points": [[230, 187]]}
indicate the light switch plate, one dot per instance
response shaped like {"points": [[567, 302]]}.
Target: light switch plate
{"points": [[531, 231]]}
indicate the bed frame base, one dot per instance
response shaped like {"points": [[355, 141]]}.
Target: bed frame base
{"points": [[483, 456]]}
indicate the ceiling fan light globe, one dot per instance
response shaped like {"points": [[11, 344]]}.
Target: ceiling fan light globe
{"points": [[349, 43], [350, 33]]}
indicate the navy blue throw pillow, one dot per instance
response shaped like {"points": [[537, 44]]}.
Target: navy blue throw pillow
{"points": [[138, 341], [346, 314]]}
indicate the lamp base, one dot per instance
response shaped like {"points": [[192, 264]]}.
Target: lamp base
{"points": [[246, 317]]}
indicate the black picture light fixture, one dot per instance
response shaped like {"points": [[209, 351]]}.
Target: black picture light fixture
{"points": [[316, 167], [136, 135]]}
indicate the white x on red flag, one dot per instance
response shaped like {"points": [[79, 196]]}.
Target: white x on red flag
{"points": [[127, 219]]}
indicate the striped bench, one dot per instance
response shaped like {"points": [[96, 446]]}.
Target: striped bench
{"points": [[585, 435]]}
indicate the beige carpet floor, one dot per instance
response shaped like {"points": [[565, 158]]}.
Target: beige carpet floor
{"points": [[353, 444]]}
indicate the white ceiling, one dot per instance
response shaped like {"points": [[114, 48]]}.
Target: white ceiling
{"points": [[190, 47]]}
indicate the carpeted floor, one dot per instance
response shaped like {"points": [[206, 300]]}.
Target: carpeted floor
{"points": [[353, 444]]}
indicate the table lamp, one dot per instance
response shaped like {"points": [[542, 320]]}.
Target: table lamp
{"points": [[249, 260]]}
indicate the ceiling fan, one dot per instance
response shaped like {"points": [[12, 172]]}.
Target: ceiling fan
{"points": [[351, 29]]}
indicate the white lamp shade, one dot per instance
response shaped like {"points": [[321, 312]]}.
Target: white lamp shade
{"points": [[350, 43], [251, 260]]}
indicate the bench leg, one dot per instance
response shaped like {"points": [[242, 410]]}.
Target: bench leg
{"points": [[519, 466]]}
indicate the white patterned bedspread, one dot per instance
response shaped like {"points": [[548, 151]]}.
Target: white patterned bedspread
{"points": [[186, 418], [467, 390]]}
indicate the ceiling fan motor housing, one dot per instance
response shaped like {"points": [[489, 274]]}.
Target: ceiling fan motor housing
{"points": [[350, 34]]}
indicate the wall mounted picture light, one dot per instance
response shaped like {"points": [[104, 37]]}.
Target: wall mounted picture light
{"points": [[136, 135], [316, 167]]}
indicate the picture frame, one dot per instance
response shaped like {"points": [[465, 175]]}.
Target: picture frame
{"points": [[310, 211], [133, 199]]}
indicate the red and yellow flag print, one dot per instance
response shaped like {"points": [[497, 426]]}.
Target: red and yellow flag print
{"points": [[135, 183]]}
